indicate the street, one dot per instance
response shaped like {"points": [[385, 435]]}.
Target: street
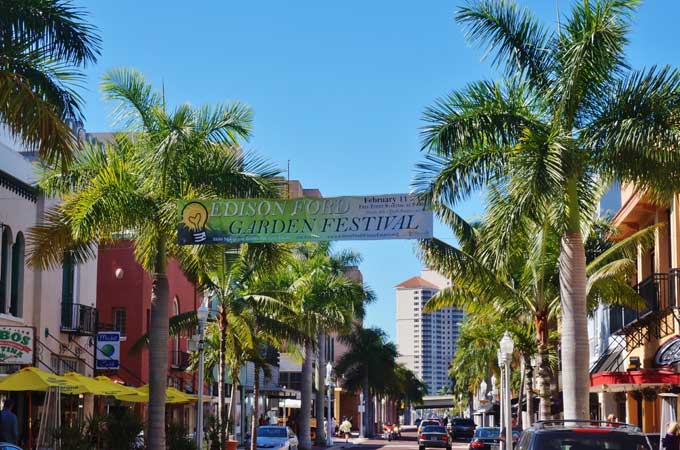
{"points": [[408, 441]]}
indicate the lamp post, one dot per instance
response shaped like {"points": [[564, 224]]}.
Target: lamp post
{"points": [[482, 400], [202, 313], [361, 415], [507, 346], [285, 407], [329, 389]]}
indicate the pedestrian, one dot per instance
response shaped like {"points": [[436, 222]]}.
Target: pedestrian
{"points": [[9, 428], [672, 440], [346, 429], [263, 421], [334, 425], [612, 421]]}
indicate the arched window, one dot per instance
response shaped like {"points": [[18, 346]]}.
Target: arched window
{"points": [[17, 285], [5, 251]]}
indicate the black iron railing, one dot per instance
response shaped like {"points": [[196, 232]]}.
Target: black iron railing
{"points": [[78, 319], [179, 360], [659, 293]]}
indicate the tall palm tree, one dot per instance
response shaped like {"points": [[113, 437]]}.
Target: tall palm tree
{"points": [[367, 365], [44, 44], [324, 300], [568, 114], [130, 189], [526, 286]]}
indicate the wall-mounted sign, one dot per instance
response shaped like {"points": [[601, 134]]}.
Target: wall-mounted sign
{"points": [[369, 217], [108, 350], [668, 353], [17, 345]]}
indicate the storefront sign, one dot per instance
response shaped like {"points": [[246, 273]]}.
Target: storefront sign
{"points": [[370, 217], [17, 345], [668, 353], [108, 350]]}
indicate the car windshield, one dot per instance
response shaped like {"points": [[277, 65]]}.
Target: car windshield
{"points": [[275, 432], [426, 423], [433, 429], [463, 422], [487, 433], [570, 440]]}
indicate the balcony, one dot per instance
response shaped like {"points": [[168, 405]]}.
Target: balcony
{"points": [[179, 360], [78, 319], [658, 292]]}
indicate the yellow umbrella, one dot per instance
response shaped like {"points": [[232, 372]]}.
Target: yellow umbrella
{"points": [[34, 379], [172, 396], [112, 388], [96, 386]]}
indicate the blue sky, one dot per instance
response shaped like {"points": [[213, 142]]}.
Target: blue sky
{"points": [[338, 88]]}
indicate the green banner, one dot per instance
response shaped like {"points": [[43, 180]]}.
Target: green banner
{"points": [[370, 217]]}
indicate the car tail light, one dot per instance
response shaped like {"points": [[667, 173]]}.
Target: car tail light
{"points": [[422, 436], [476, 444], [445, 437]]}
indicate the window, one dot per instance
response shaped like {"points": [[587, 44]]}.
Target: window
{"points": [[175, 340], [5, 245], [17, 285], [67, 281], [120, 321]]}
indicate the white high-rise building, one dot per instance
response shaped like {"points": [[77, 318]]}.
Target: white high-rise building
{"points": [[426, 342]]}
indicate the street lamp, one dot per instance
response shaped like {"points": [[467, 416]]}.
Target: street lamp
{"points": [[329, 387], [361, 415], [506, 348], [202, 314], [482, 400]]}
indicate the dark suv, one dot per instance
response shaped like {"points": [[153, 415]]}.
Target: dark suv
{"points": [[582, 435], [460, 428]]}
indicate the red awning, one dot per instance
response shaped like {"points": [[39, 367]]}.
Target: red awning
{"points": [[619, 381]]}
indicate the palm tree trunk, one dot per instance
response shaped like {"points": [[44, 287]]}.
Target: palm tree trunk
{"points": [[521, 393], [158, 351], [544, 410], [232, 400], [222, 376], [306, 398], [256, 413], [528, 393], [367, 407], [574, 348], [320, 378]]}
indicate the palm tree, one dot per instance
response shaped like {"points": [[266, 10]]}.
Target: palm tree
{"points": [[405, 387], [367, 365], [324, 300], [526, 286], [568, 115], [130, 188], [44, 44]]}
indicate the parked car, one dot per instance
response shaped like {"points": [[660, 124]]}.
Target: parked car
{"points": [[433, 436], [428, 422], [6, 446], [485, 438], [460, 428], [582, 434], [276, 437]]}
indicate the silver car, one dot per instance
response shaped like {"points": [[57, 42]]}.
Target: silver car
{"points": [[272, 437]]}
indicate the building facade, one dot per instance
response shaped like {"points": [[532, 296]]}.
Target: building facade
{"points": [[56, 305], [635, 351], [426, 341]]}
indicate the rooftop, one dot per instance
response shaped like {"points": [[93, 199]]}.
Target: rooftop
{"points": [[416, 282]]}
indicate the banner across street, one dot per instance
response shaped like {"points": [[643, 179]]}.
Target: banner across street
{"points": [[370, 217]]}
